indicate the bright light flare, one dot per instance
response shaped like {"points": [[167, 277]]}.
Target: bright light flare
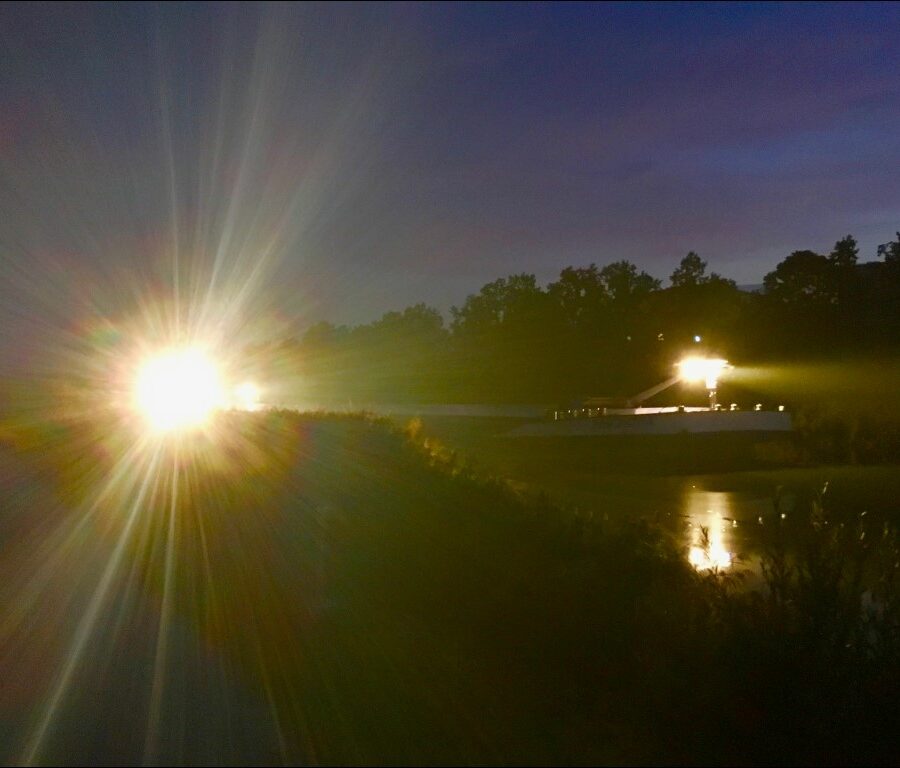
{"points": [[178, 389], [705, 369], [247, 397]]}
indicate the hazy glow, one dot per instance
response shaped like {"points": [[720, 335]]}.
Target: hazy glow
{"points": [[708, 549], [247, 397], [178, 389], [705, 369]]}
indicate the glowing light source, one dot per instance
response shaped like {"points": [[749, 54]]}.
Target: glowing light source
{"points": [[703, 369], [247, 397], [178, 389]]}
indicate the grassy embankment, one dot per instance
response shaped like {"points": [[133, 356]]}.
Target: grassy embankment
{"points": [[332, 589]]}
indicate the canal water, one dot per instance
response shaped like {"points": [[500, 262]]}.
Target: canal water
{"points": [[719, 529], [715, 528]]}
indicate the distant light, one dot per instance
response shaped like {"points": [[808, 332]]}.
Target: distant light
{"points": [[177, 389], [757, 407], [697, 339], [780, 407], [704, 369]]}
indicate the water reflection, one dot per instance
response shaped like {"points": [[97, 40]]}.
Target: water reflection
{"points": [[710, 525], [708, 550]]}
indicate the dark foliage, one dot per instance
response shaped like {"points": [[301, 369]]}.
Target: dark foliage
{"points": [[345, 592], [600, 330]]}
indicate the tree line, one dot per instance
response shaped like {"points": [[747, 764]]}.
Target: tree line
{"points": [[610, 329]]}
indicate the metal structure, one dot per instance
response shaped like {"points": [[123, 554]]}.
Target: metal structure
{"points": [[691, 369]]}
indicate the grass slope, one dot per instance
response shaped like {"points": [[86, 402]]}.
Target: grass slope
{"points": [[331, 589]]}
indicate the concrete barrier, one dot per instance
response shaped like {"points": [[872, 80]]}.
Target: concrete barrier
{"points": [[660, 424]]}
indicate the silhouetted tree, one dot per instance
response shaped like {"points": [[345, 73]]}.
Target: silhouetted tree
{"points": [[507, 334], [623, 282], [890, 251], [844, 254], [580, 294], [501, 302], [605, 329], [690, 271], [801, 277]]}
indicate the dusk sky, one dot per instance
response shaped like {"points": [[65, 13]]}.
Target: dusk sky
{"points": [[336, 162]]}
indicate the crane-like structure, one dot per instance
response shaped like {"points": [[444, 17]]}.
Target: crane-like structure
{"points": [[691, 369], [634, 401]]}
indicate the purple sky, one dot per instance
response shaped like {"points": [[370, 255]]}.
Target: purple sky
{"points": [[341, 161]]}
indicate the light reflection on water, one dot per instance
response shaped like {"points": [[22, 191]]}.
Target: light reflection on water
{"points": [[711, 524]]}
